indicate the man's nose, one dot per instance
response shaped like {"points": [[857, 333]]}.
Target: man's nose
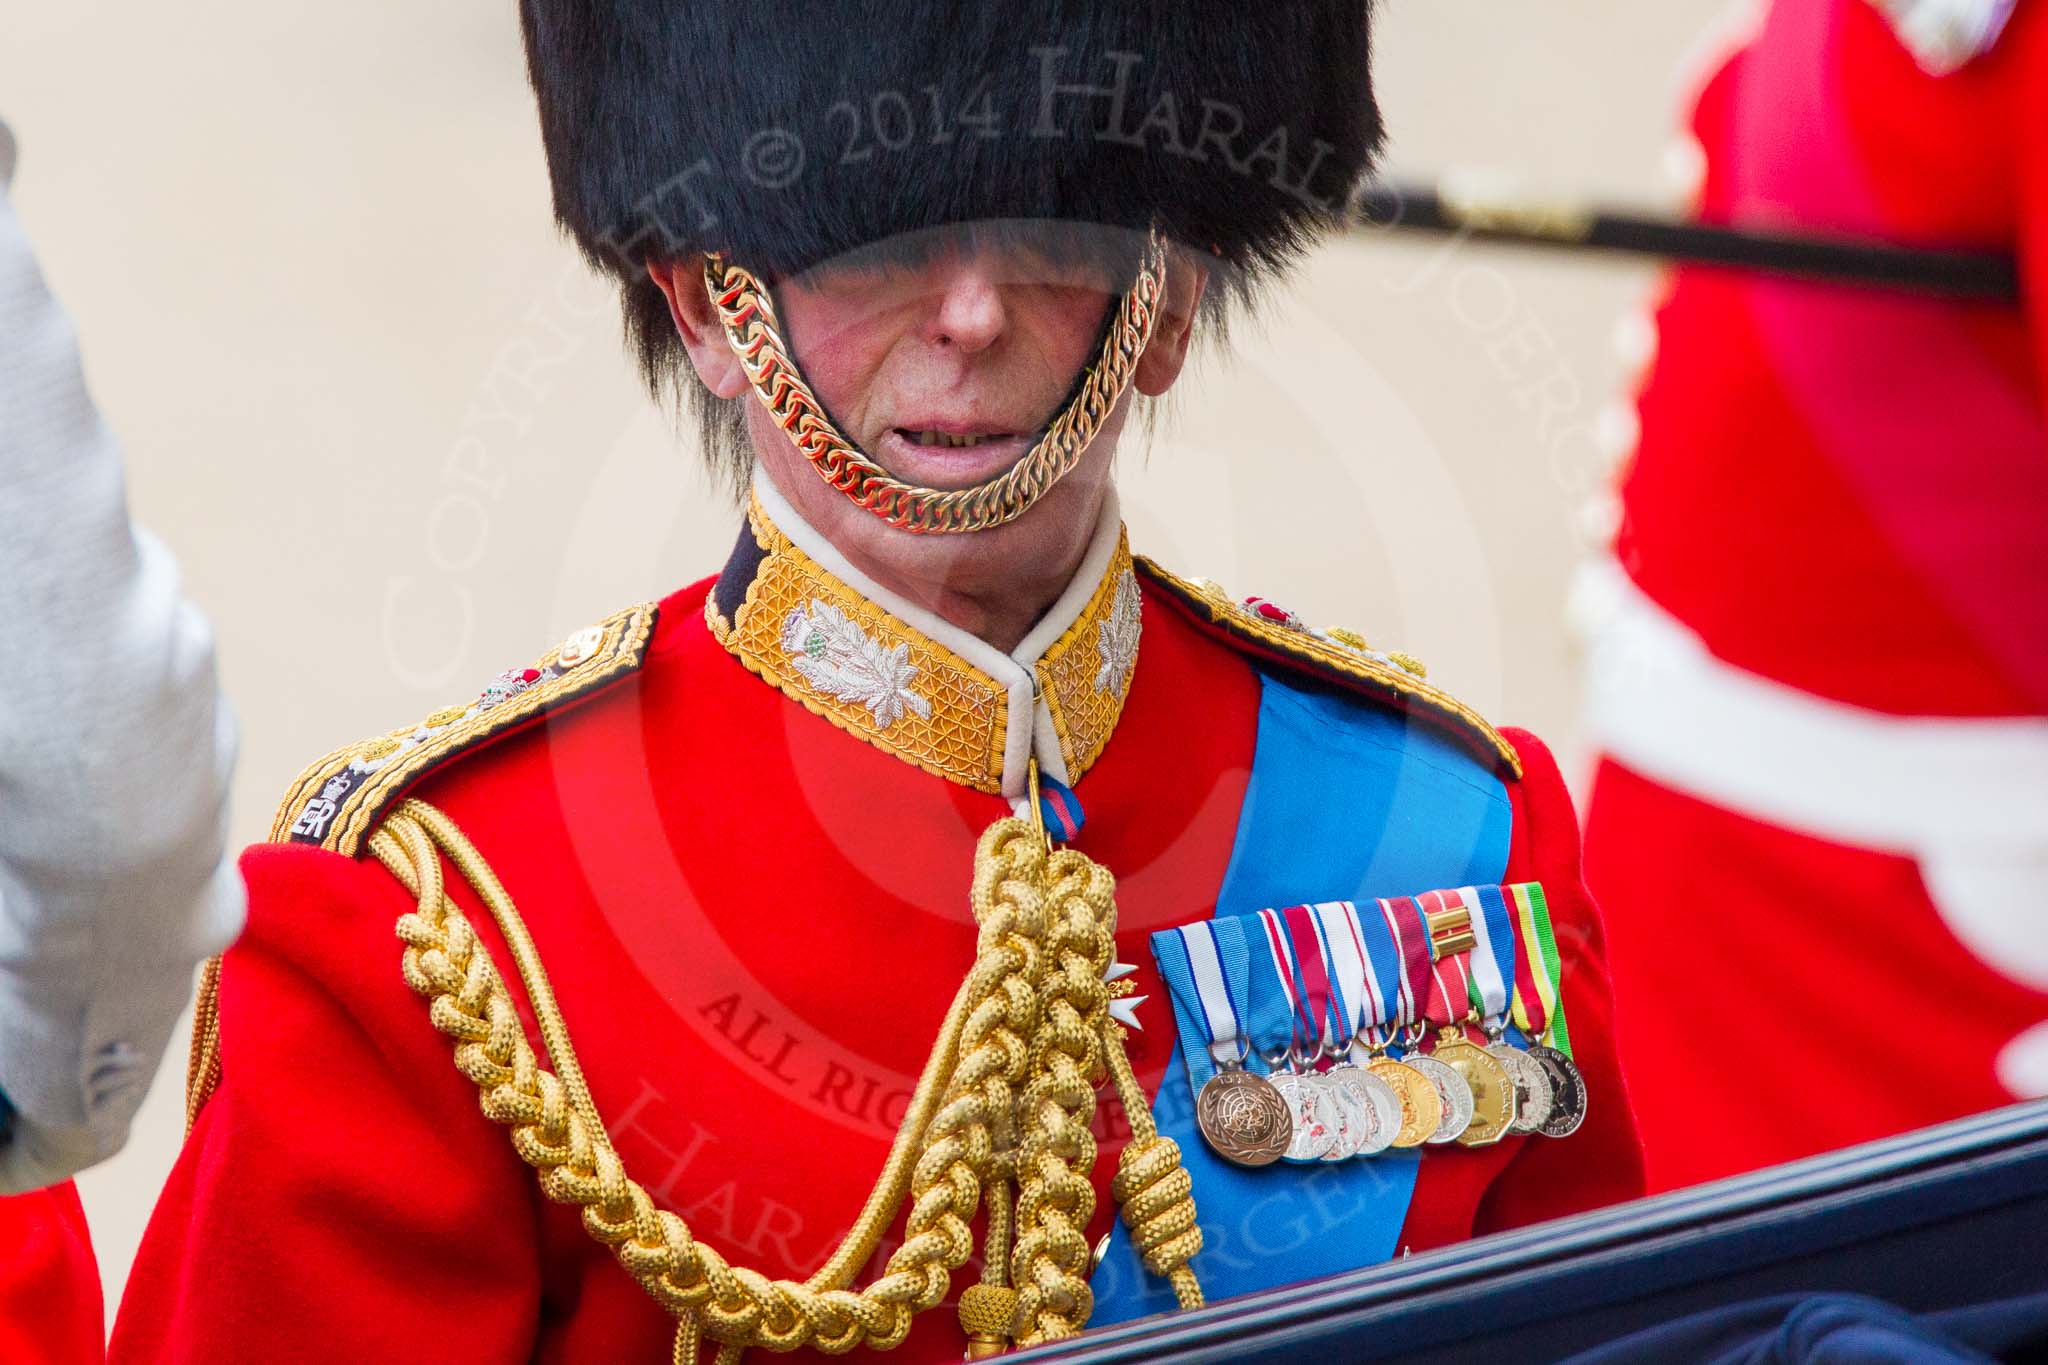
{"points": [[969, 311]]}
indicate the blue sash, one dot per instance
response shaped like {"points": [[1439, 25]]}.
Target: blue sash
{"points": [[1347, 801]]}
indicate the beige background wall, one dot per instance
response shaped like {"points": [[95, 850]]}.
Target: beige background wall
{"points": [[381, 413]]}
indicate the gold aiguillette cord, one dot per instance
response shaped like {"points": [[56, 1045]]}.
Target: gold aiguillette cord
{"points": [[1005, 1106]]}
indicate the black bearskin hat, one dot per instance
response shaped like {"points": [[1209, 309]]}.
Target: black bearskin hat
{"points": [[785, 133]]}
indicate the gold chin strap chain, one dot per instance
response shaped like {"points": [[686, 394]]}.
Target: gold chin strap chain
{"points": [[1007, 1100], [746, 313]]}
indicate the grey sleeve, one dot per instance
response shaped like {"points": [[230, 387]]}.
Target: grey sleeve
{"points": [[115, 754]]}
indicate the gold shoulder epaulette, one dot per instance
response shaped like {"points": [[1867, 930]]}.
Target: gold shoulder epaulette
{"points": [[1337, 656], [337, 801]]}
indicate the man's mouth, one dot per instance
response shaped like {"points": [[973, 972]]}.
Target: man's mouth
{"points": [[952, 440], [950, 455]]}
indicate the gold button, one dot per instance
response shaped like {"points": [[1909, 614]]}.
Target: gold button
{"points": [[580, 646]]}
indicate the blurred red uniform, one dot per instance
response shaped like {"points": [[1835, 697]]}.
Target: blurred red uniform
{"points": [[1819, 676], [51, 1312]]}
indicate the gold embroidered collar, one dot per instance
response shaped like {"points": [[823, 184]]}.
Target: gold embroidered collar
{"points": [[797, 613]]}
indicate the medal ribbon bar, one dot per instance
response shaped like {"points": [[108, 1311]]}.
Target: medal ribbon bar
{"points": [[1450, 993], [1542, 1015], [1493, 954], [1358, 996], [1276, 956], [1391, 1003], [1320, 1013], [1409, 932], [1212, 966], [1529, 1005]]}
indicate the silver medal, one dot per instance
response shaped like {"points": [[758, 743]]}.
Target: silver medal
{"points": [[1567, 1091], [1532, 1088], [1314, 1114], [1377, 1099], [1355, 1117], [1457, 1095]]}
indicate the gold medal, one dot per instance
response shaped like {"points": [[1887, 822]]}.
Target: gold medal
{"points": [[1422, 1109], [1243, 1118], [1493, 1090], [1451, 1088]]}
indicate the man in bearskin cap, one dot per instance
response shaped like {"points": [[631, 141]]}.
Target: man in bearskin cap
{"points": [[859, 931]]}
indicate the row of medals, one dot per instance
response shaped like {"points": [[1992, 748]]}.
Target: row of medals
{"points": [[1456, 1092]]}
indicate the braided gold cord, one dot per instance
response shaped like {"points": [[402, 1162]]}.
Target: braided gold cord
{"points": [[550, 1131], [1027, 1034], [1151, 1187], [746, 313], [1055, 1200]]}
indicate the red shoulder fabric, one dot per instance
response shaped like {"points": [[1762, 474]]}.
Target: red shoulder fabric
{"points": [[1602, 1163], [1292, 653], [51, 1312], [340, 1198]]}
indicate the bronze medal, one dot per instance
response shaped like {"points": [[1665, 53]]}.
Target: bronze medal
{"points": [[1451, 1089], [1493, 1090], [1532, 1088], [1567, 1091], [1422, 1109], [1243, 1118]]}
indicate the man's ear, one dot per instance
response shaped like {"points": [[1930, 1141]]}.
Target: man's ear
{"points": [[1167, 351], [682, 283]]}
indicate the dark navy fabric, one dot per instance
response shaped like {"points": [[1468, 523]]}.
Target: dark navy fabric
{"points": [[1347, 801], [1837, 1329]]}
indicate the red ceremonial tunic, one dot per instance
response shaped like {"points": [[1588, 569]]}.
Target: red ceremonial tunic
{"points": [[51, 1312], [1846, 489], [1842, 491], [754, 922]]}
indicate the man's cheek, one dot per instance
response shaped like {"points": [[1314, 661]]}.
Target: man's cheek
{"points": [[1076, 318], [837, 368]]}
